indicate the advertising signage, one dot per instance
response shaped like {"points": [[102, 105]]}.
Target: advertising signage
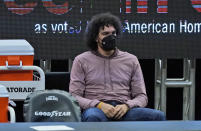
{"points": [[150, 28]]}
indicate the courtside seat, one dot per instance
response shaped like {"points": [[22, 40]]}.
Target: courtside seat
{"points": [[51, 106]]}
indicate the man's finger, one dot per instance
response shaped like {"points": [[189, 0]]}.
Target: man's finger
{"points": [[119, 111], [122, 109], [120, 115]]}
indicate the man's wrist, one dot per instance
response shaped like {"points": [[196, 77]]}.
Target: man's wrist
{"points": [[99, 105], [127, 107]]}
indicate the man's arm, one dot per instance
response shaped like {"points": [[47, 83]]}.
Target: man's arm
{"points": [[138, 90], [77, 85]]}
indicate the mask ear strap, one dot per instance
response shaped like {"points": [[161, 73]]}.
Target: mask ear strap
{"points": [[98, 40]]}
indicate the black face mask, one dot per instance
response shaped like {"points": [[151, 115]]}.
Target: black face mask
{"points": [[109, 43]]}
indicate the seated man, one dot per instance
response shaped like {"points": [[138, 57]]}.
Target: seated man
{"points": [[107, 82]]}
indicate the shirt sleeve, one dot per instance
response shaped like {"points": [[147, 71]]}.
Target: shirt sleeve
{"points": [[138, 90], [77, 85]]}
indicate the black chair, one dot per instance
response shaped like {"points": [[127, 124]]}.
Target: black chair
{"points": [[51, 106], [57, 80]]}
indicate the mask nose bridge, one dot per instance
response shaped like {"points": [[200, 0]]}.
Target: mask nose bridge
{"points": [[109, 37], [110, 34]]}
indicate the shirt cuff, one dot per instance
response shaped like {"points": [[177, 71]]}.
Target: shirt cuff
{"points": [[131, 104], [94, 103]]}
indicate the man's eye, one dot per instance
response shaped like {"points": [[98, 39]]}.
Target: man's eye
{"points": [[105, 33], [114, 33]]}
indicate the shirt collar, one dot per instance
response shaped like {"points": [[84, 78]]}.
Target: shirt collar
{"points": [[111, 56]]}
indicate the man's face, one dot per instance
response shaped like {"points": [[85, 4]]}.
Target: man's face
{"points": [[103, 32]]}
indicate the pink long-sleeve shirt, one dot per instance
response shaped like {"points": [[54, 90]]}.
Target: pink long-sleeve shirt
{"points": [[96, 78]]}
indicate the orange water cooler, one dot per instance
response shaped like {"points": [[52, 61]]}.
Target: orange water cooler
{"points": [[17, 70], [15, 54]]}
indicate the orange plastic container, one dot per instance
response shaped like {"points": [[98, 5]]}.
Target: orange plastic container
{"points": [[16, 53], [4, 107]]}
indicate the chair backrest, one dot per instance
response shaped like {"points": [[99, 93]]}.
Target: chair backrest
{"points": [[51, 106]]}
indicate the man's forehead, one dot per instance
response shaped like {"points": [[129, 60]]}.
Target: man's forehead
{"points": [[106, 27]]}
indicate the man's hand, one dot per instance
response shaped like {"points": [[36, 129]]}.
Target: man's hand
{"points": [[108, 109], [120, 110]]}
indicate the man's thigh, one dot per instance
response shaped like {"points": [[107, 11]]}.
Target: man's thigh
{"points": [[143, 114]]}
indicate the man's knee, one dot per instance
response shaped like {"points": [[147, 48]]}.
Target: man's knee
{"points": [[93, 114], [160, 116]]}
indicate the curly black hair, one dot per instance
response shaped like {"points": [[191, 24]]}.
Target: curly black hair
{"points": [[99, 21]]}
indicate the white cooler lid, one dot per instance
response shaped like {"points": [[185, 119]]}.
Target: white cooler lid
{"points": [[15, 47]]}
